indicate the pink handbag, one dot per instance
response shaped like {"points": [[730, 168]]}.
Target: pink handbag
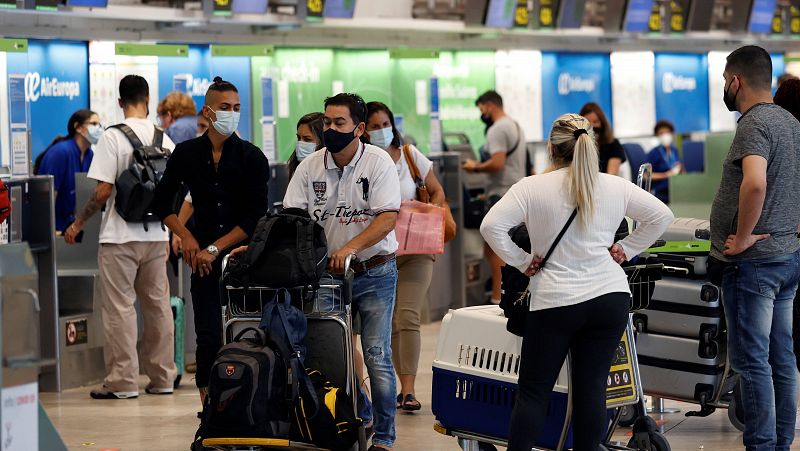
{"points": [[420, 228]]}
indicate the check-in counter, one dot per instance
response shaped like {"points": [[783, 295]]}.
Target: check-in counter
{"points": [[80, 323]]}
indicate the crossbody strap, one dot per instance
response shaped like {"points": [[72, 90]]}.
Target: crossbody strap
{"points": [[519, 134], [412, 166], [558, 238]]}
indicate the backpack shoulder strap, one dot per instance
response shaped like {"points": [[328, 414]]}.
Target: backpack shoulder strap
{"points": [[158, 139], [132, 138], [259, 240], [305, 249]]}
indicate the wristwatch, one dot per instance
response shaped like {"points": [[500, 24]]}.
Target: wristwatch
{"points": [[213, 250]]}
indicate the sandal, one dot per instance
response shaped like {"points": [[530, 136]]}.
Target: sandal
{"points": [[399, 401], [410, 403]]}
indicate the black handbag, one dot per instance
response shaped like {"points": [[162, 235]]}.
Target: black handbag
{"points": [[515, 299]]}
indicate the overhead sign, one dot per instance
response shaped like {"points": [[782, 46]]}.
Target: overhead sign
{"points": [[682, 90], [128, 49], [637, 16], [570, 80], [242, 50], [500, 13], [678, 11], [13, 45], [761, 15], [88, 3], [522, 14], [342, 9], [315, 8], [547, 13], [11, 4], [250, 6], [221, 7]]}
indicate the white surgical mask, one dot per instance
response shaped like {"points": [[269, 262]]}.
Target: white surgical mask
{"points": [[227, 122], [665, 139], [94, 133], [381, 138], [304, 149]]}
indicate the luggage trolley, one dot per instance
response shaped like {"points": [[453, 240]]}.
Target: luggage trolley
{"points": [[329, 338], [475, 377]]}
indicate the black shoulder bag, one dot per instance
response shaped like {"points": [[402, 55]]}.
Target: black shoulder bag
{"points": [[515, 299]]}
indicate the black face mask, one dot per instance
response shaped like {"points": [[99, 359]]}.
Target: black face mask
{"points": [[336, 141], [730, 101], [486, 119]]}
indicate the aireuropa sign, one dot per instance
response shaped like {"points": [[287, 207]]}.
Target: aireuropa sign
{"points": [[37, 86], [569, 83], [570, 80], [56, 85], [682, 90], [672, 82]]}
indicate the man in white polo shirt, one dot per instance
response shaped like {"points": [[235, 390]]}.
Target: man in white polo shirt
{"points": [[353, 191]]}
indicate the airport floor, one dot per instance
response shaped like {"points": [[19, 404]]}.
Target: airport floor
{"points": [[168, 423]]}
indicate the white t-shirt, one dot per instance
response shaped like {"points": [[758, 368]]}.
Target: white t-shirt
{"points": [[345, 201], [112, 156], [408, 189], [580, 267]]}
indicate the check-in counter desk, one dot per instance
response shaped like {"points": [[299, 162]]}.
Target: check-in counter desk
{"points": [[79, 314]]}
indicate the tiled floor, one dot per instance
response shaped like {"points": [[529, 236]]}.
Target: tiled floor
{"points": [[168, 422]]}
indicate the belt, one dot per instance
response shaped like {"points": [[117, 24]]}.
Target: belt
{"points": [[374, 262]]}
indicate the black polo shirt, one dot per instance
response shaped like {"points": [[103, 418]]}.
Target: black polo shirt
{"points": [[235, 194]]}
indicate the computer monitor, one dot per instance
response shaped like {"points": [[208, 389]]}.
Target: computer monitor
{"points": [[249, 6], [500, 13]]}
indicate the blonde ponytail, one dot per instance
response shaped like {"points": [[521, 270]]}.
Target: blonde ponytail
{"points": [[574, 146]]}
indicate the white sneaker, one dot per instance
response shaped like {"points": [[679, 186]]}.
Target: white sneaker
{"points": [[150, 390]]}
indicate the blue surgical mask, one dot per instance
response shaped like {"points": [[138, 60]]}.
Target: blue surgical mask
{"points": [[227, 122], [304, 149], [381, 138], [94, 133]]}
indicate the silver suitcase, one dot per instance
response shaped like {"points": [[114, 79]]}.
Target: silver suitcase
{"points": [[684, 308], [681, 368]]}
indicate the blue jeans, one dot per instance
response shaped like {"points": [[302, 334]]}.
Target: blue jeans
{"points": [[758, 297], [373, 299]]}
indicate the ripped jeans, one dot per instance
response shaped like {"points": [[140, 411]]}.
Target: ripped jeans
{"points": [[373, 298]]}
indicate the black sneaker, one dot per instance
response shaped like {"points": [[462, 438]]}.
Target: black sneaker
{"points": [[105, 393]]}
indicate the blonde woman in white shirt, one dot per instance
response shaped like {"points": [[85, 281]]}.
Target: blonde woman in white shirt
{"points": [[580, 301]]}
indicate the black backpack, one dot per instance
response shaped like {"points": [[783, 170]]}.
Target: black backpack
{"points": [[288, 250], [137, 185], [251, 391], [335, 425]]}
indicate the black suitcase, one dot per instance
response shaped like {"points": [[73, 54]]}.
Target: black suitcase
{"points": [[680, 368], [684, 308]]}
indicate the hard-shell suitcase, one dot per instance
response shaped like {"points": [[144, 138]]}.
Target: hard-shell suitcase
{"points": [[685, 253], [179, 316], [681, 368], [684, 308]]}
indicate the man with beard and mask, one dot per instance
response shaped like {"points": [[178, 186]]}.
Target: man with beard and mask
{"points": [[227, 177], [505, 143], [131, 260], [353, 191], [755, 257]]}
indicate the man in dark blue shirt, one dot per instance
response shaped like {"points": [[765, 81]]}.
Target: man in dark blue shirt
{"points": [[227, 178], [664, 159]]}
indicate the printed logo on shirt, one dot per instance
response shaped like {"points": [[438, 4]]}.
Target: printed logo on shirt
{"points": [[344, 214], [320, 188], [364, 182]]}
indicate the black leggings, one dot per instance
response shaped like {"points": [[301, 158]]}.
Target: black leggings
{"points": [[591, 331]]}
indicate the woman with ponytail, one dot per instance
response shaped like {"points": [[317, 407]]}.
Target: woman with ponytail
{"points": [[579, 303]]}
